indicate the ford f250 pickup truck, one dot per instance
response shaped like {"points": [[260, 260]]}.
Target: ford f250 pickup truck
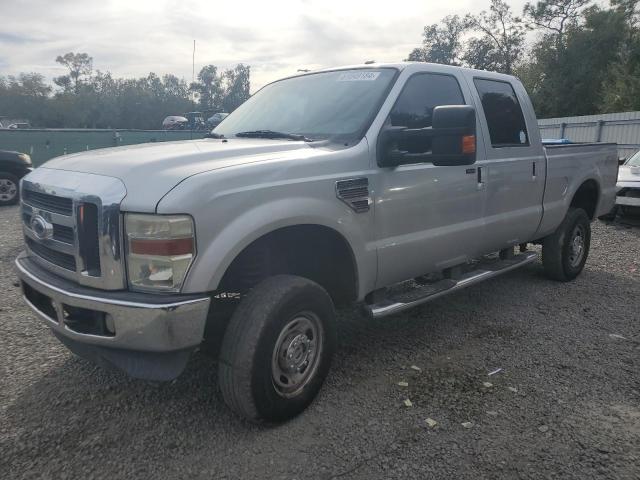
{"points": [[322, 189]]}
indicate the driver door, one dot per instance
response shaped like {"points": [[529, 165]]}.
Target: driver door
{"points": [[427, 218]]}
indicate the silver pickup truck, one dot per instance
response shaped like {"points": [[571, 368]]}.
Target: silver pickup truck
{"points": [[325, 188]]}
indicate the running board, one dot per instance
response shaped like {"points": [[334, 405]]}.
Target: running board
{"points": [[485, 269]]}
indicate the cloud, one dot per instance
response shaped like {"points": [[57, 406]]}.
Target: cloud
{"points": [[276, 37]]}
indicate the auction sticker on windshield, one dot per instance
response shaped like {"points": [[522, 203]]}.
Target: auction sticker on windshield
{"points": [[358, 76]]}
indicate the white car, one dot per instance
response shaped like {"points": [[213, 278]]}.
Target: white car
{"points": [[628, 186], [173, 122]]}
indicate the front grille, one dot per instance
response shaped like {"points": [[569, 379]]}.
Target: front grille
{"points": [[78, 223], [63, 260], [61, 233], [51, 203]]}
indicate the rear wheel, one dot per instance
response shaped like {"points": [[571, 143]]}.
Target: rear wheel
{"points": [[277, 349], [565, 251], [9, 189]]}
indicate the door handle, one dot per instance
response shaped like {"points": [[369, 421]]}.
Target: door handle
{"points": [[481, 177], [533, 172]]}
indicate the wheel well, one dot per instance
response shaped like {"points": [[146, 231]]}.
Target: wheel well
{"points": [[586, 197], [312, 251]]}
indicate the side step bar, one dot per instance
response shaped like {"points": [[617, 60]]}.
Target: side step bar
{"points": [[485, 270]]}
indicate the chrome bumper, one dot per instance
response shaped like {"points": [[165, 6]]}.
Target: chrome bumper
{"points": [[140, 323]]}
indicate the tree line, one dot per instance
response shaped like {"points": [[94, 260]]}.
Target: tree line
{"points": [[584, 59], [88, 98]]}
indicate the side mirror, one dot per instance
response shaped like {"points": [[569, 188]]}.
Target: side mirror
{"points": [[621, 161], [451, 140]]}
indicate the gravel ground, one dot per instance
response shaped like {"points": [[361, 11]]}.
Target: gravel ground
{"points": [[565, 405]]}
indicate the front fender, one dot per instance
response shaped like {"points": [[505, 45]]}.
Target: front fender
{"points": [[233, 208], [216, 256]]}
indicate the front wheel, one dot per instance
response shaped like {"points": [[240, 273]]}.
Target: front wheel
{"points": [[9, 189], [565, 251], [277, 349]]}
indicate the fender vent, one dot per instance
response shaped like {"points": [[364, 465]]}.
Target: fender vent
{"points": [[355, 193]]}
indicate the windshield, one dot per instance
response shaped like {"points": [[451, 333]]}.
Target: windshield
{"points": [[317, 106], [634, 161]]}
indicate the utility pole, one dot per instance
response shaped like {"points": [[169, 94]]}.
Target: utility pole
{"points": [[193, 70]]}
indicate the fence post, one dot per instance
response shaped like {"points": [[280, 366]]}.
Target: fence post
{"points": [[599, 130], [563, 127]]}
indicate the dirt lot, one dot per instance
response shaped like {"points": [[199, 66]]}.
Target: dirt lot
{"points": [[565, 405]]}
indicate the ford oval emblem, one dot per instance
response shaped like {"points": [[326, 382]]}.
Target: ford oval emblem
{"points": [[41, 228]]}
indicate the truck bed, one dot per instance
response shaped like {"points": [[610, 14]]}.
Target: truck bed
{"points": [[568, 167]]}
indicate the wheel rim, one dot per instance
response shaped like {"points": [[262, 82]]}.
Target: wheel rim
{"points": [[8, 190], [577, 245], [297, 353]]}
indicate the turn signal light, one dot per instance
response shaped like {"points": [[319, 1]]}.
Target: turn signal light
{"points": [[469, 144]]}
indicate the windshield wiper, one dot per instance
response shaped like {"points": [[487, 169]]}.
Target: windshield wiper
{"points": [[272, 134]]}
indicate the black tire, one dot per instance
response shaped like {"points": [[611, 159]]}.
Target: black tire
{"points": [[251, 353], [559, 257], [9, 189]]}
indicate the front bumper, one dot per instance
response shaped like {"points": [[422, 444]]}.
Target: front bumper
{"points": [[148, 336], [628, 194]]}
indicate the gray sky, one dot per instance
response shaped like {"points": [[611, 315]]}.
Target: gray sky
{"points": [[133, 37]]}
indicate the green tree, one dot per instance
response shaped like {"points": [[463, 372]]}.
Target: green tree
{"points": [[569, 79], [441, 42], [209, 88], [501, 41], [237, 84], [554, 17], [621, 88], [79, 65]]}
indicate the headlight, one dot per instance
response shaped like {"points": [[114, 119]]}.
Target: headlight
{"points": [[25, 158], [160, 249]]}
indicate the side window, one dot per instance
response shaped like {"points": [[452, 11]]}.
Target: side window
{"points": [[503, 113], [414, 107]]}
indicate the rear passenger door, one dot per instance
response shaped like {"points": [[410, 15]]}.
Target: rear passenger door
{"points": [[513, 172]]}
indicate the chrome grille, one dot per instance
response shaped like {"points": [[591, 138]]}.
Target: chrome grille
{"points": [[61, 233], [72, 233], [64, 260], [50, 203]]}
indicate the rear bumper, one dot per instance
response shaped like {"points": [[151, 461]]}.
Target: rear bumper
{"points": [[148, 336]]}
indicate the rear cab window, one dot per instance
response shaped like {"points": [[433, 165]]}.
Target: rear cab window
{"points": [[503, 113]]}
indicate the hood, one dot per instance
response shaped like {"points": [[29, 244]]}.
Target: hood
{"points": [[150, 170], [627, 173]]}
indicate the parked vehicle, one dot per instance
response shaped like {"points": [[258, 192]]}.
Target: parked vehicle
{"points": [[628, 186], [196, 121], [322, 189], [190, 121], [174, 122], [13, 166], [215, 119]]}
